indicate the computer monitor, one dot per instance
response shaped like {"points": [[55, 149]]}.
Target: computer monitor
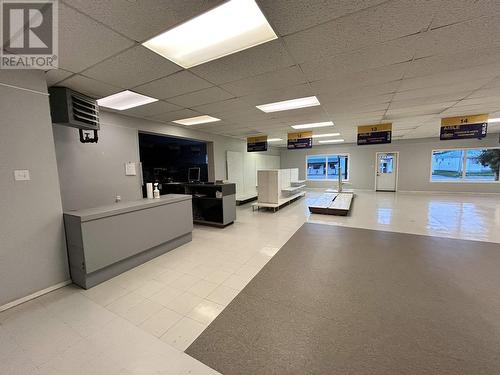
{"points": [[194, 175]]}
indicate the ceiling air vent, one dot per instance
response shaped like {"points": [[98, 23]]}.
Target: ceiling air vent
{"points": [[70, 108]]}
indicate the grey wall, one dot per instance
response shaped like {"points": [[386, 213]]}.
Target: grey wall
{"points": [[414, 164], [32, 244], [93, 174]]}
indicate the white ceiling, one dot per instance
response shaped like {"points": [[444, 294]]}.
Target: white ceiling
{"points": [[410, 62]]}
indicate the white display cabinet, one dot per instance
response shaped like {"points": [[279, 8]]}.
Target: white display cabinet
{"points": [[277, 187]]}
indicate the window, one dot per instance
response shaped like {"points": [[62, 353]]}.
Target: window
{"points": [[326, 167], [466, 165]]}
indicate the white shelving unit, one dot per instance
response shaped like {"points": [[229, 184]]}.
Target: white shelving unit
{"points": [[242, 170], [277, 187]]}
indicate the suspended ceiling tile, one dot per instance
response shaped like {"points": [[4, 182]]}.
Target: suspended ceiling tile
{"points": [[152, 109], [453, 97], [474, 34], [472, 74], [176, 115], [277, 95], [489, 100], [283, 14], [84, 42], [358, 79], [225, 106], [132, 67], [388, 21], [370, 57], [454, 11], [54, 76], [268, 81], [482, 93], [452, 61], [263, 58], [471, 109], [331, 88], [440, 90], [89, 86], [204, 96], [339, 101], [141, 20], [176, 84]]}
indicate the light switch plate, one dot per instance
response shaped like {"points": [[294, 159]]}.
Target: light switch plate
{"points": [[22, 175]]}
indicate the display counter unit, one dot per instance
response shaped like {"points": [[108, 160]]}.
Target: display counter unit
{"points": [[105, 241], [278, 187], [213, 203]]}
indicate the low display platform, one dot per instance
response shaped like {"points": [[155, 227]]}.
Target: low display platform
{"points": [[246, 198], [333, 204], [281, 202]]}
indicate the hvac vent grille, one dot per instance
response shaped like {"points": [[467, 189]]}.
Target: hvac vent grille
{"points": [[70, 108], [85, 110]]}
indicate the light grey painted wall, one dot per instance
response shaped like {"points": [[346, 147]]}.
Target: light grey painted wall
{"points": [[221, 144], [32, 243], [414, 164], [93, 174]]}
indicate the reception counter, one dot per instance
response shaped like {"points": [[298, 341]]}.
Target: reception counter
{"points": [[106, 241]]}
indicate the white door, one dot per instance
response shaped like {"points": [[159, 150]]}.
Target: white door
{"points": [[387, 171]]}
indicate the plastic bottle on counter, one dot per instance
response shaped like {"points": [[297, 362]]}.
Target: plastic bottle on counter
{"points": [[156, 191]]}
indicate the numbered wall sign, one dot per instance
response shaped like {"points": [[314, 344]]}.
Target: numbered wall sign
{"points": [[258, 143], [300, 140], [374, 134], [475, 126]]}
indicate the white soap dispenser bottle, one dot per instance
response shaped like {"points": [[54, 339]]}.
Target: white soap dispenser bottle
{"points": [[156, 192]]}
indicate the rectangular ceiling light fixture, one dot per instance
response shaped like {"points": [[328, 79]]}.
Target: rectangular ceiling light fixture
{"points": [[326, 135], [274, 139], [125, 100], [493, 120], [196, 120], [286, 105], [231, 27], [313, 125], [332, 141]]}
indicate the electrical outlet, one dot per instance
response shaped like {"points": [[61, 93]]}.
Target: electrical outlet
{"points": [[22, 175]]}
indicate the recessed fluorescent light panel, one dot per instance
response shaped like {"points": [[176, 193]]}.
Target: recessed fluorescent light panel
{"points": [[125, 100], [197, 120], [493, 120], [274, 139], [313, 125], [286, 105], [326, 135], [332, 141], [231, 27]]}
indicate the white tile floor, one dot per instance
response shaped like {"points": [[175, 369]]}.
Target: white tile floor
{"points": [[141, 321]]}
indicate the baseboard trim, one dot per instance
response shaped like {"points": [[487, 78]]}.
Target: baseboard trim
{"points": [[34, 295]]}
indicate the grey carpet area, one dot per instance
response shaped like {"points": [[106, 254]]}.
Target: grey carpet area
{"points": [[339, 300]]}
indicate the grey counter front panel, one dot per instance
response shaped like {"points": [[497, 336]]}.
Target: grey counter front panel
{"points": [[119, 239]]}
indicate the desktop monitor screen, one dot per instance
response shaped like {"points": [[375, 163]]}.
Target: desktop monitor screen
{"points": [[194, 174]]}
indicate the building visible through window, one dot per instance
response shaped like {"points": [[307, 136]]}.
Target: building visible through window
{"points": [[466, 165], [327, 167]]}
